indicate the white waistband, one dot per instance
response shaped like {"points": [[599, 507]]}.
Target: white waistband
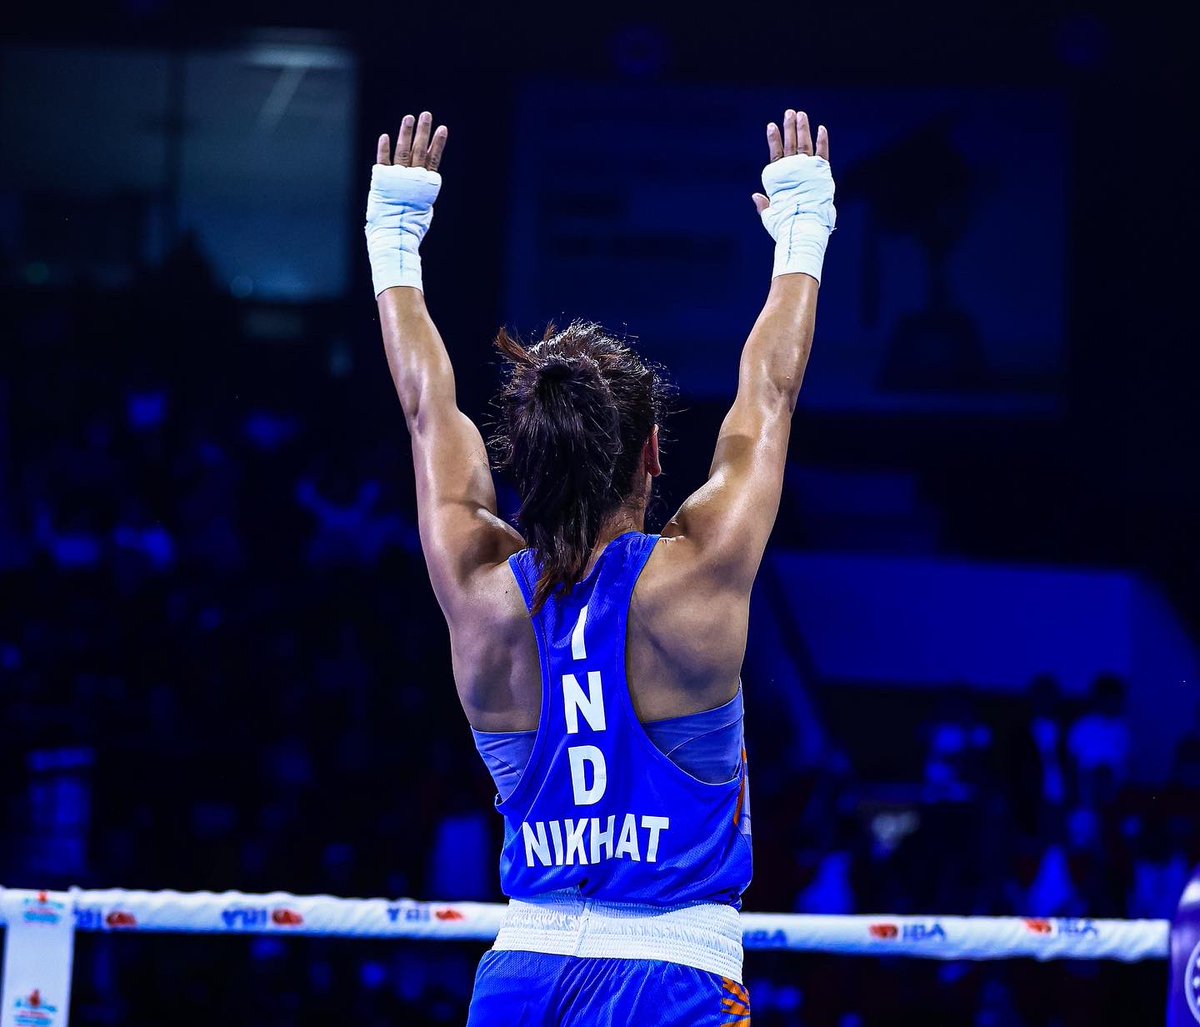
{"points": [[707, 937]]}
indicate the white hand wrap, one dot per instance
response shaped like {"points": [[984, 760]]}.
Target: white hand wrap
{"points": [[399, 211], [801, 214]]}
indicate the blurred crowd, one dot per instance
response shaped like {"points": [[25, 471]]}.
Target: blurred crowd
{"points": [[223, 668]]}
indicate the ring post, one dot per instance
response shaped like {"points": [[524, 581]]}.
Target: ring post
{"points": [[38, 952], [1183, 999]]}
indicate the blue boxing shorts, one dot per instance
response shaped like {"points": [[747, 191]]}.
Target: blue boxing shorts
{"points": [[535, 989]]}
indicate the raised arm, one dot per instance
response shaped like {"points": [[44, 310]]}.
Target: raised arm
{"points": [[727, 522], [461, 533]]}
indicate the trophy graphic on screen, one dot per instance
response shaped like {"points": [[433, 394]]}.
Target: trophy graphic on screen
{"points": [[928, 200]]}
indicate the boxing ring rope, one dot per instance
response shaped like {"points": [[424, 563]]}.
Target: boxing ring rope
{"points": [[117, 910]]}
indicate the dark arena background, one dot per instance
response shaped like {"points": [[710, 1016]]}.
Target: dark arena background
{"points": [[971, 683]]}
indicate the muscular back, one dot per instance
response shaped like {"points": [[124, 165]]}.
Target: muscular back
{"points": [[683, 650]]}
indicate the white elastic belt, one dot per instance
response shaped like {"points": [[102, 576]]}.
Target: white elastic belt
{"points": [[707, 937]]}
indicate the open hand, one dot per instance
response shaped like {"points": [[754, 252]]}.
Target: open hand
{"points": [[414, 149], [795, 138], [404, 186]]}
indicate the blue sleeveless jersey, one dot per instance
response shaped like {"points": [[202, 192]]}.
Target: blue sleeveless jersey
{"points": [[599, 808]]}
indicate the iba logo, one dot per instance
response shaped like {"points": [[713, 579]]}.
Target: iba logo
{"points": [[1191, 982], [908, 932], [1067, 927], [33, 1011], [1080, 928]]}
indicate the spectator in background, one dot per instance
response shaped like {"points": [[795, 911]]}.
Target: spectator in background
{"points": [[350, 526], [1052, 892], [142, 546], [1160, 867], [959, 746], [72, 538], [207, 480], [1098, 742], [1038, 766], [826, 869]]}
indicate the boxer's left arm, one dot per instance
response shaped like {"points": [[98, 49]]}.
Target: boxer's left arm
{"points": [[461, 533]]}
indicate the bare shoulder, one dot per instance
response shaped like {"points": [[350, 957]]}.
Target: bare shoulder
{"points": [[500, 601], [681, 573], [687, 633], [491, 610], [495, 656]]}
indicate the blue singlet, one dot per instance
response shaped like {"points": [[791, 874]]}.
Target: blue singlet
{"points": [[622, 862], [599, 807]]}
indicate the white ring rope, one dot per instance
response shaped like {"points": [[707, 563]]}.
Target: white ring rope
{"points": [[280, 913]]}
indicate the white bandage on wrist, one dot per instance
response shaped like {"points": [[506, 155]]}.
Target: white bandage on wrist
{"points": [[801, 214], [399, 211]]}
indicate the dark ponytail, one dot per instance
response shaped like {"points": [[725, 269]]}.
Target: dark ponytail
{"points": [[576, 409]]}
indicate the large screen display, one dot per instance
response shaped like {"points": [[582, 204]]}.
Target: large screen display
{"points": [[114, 158], [944, 283]]}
